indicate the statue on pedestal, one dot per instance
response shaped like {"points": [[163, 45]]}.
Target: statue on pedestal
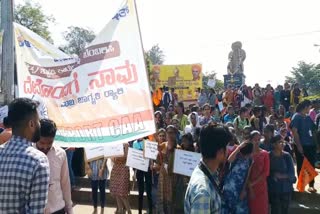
{"points": [[236, 58], [235, 76]]}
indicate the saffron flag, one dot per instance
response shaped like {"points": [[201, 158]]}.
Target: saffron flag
{"points": [[307, 174], [102, 96]]}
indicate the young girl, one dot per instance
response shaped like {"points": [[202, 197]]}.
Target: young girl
{"points": [[97, 171], [282, 177]]}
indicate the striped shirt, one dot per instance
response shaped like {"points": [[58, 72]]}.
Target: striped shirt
{"points": [[24, 178]]}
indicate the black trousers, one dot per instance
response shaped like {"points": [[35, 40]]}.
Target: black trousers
{"points": [[101, 184], [144, 178], [60, 212], [279, 202], [310, 153]]}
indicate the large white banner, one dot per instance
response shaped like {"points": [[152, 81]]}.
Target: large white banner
{"points": [[101, 97]]}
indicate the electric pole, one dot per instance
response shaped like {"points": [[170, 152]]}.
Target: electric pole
{"points": [[7, 67]]}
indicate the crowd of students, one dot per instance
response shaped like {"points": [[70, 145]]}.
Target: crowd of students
{"points": [[271, 130], [248, 153]]}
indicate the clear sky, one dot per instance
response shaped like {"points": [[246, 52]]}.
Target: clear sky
{"points": [[276, 34]]}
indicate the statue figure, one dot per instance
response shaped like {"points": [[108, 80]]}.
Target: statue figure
{"points": [[236, 58]]}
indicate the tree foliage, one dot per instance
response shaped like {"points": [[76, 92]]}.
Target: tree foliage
{"points": [[77, 39], [307, 75], [212, 75], [32, 17], [156, 55]]}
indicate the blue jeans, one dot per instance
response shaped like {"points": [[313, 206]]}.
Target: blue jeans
{"points": [[71, 174], [101, 185]]}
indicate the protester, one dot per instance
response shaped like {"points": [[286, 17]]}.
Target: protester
{"points": [[160, 138], [285, 96], [230, 116], [120, 182], [313, 111], [203, 98], [290, 112], [97, 171], [59, 195], [6, 134], [228, 96], [167, 179], [206, 118], [166, 98], [296, 95], [233, 144], [236, 180], [174, 96], [268, 99], [254, 120], [277, 97], [258, 190], [187, 142], [212, 98], [183, 119], [203, 194], [194, 123], [241, 121], [70, 151], [246, 133], [144, 180], [303, 130], [282, 177], [268, 133], [22, 164], [159, 120], [257, 95]]}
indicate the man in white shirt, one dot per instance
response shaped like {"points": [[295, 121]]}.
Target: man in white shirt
{"points": [[59, 196]]}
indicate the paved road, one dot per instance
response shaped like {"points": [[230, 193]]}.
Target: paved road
{"points": [[87, 209]]}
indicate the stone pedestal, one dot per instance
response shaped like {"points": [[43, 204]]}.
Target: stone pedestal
{"points": [[234, 80]]}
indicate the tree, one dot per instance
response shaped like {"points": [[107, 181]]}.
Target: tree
{"points": [[307, 75], [78, 38], [32, 17], [212, 75], [156, 55]]}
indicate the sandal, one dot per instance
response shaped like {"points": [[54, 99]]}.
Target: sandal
{"points": [[312, 190]]}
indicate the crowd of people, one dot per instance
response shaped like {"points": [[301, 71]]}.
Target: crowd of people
{"points": [[249, 140]]}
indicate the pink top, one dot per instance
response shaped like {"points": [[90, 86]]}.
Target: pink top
{"points": [[59, 195]]}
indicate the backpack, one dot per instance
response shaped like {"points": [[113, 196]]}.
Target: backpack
{"points": [[247, 120]]}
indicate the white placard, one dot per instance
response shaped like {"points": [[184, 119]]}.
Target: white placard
{"points": [[185, 162], [150, 150], [220, 105], [136, 160], [94, 153], [211, 83], [114, 150]]}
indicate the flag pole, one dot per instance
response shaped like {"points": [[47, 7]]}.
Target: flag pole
{"points": [[137, 16], [7, 66]]}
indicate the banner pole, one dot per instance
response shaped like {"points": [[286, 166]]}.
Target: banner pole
{"points": [[137, 16], [7, 67]]}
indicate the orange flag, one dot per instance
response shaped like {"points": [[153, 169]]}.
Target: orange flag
{"points": [[307, 174]]}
